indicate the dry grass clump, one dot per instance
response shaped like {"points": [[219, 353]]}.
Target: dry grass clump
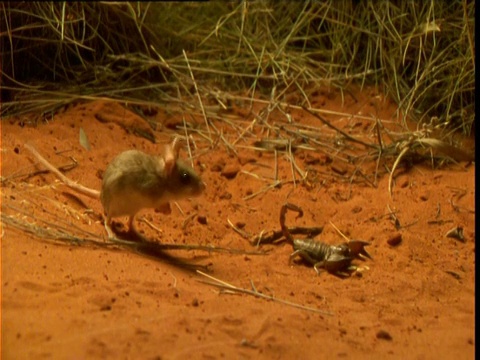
{"points": [[427, 50], [422, 53]]}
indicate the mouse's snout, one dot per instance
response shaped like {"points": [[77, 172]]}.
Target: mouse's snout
{"points": [[191, 183], [199, 188], [187, 182]]}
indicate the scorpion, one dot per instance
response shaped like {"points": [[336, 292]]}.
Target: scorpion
{"points": [[332, 258]]}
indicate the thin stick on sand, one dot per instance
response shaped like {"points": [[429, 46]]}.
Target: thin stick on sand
{"points": [[226, 286]]}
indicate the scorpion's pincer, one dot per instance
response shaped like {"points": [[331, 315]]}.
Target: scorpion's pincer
{"points": [[357, 247]]}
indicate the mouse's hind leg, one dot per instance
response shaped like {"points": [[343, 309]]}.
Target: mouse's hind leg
{"points": [[108, 221], [133, 230], [108, 227]]}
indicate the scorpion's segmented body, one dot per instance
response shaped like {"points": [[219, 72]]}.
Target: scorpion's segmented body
{"points": [[333, 258]]}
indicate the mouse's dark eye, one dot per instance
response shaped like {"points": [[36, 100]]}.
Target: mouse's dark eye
{"points": [[185, 178]]}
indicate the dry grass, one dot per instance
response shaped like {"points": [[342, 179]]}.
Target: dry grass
{"points": [[422, 53]]}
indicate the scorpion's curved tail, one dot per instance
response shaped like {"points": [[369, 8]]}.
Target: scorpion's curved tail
{"points": [[283, 212]]}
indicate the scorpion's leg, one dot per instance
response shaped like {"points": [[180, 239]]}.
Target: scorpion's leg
{"points": [[304, 255], [336, 263], [319, 265], [338, 272]]}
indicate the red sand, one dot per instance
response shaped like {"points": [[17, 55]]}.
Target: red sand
{"points": [[65, 301]]}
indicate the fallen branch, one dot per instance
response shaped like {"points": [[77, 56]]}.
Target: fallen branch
{"points": [[226, 286], [347, 136]]}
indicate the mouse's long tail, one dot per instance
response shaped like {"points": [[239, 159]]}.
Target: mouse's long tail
{"points": [[70, 183]]}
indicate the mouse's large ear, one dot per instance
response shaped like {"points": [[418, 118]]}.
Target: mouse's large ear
{"points": [[171, 155]]}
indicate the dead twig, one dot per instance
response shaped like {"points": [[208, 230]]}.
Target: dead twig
{"points": [[347, 136], [265, 189], [231, 288], [395, 164], [394, 218], [456, 233], [63, 168]]}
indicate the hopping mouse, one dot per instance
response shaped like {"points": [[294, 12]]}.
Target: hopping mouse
{"points": [[134, 181]]}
